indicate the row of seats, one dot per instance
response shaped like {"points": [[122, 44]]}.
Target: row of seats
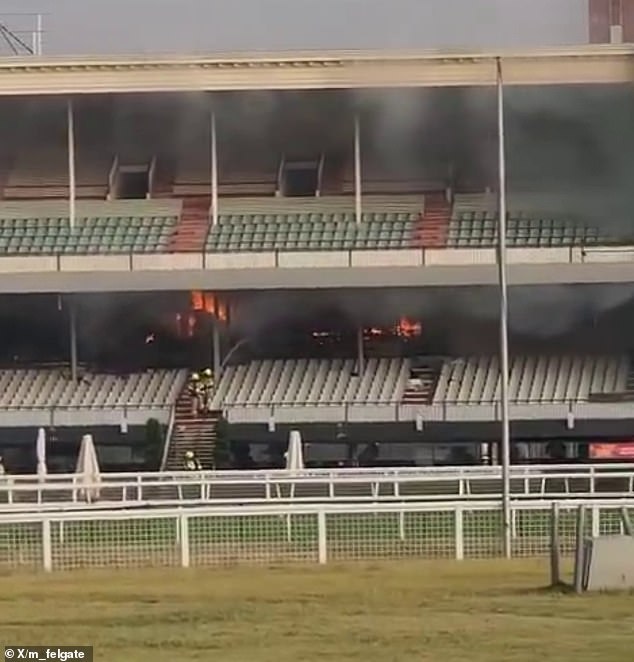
{"points": [[467, 381], [53, 387], [263, 224], [324, 223], [532, 378], [297, 232], [312, 382], [100, 227], [533, 221], [317, 382]]}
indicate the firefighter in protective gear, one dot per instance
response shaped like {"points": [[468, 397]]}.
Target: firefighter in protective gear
{"points": [[191, 462], [196, 393], [208, 387]]}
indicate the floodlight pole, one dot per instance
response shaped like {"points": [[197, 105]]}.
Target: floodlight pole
{"points": [[71, 164], [214, 171], [357, 169], [504, 344]]}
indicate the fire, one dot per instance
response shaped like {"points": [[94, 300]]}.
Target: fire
{"points": [[404, 328], [206, 302], [407, 328]]}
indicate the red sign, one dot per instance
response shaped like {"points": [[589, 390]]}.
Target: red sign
{"points": [[612, 451]]}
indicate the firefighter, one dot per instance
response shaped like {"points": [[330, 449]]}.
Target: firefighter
{"points": [[191, 462], [208, 387], [195, 392]]}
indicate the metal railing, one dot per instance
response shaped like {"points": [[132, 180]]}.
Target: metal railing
{"points": [[297, 533], [150, 490]]}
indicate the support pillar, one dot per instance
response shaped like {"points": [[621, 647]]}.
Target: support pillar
{"points": [[214, 171], [71, 164], [357, 169], [216, 350], [73, 341], [360, 351]]}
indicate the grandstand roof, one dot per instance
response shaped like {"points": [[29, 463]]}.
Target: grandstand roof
{"points": [[314, 70]]}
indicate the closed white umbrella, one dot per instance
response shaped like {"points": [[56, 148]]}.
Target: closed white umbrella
{"points": [[295, 454], [40, 449], [88, 472]]}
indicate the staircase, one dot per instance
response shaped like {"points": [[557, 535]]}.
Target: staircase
{"points": [[191, 433], [432, 228], [191, 231], [420, 390]]}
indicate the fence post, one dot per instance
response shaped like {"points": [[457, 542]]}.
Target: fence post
{"points": [[459, 533], [595, 521], [322, 540], [184, 539], [555, 574], [47, 551], [579, 550], [628, 529]]}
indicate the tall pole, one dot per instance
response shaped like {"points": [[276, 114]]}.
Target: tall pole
{"points": [[360, 351], [214, 171], [71, 164], [73, 341], [217, 358], [39, 34], [504, 340], [357, 169]]}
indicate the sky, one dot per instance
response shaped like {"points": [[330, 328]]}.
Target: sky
{"points": [[94, 27]]}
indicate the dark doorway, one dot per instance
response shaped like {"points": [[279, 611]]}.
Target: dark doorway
{"points": [[133, 185], [300, 180]]}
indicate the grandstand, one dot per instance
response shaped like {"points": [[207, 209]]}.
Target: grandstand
{"points": [[118, 201]]}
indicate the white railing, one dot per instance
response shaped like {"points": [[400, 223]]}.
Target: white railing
{"points": [[281, 533], [239, 488]]}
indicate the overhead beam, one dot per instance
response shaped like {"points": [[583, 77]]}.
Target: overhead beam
{"points": [[583, 65]]}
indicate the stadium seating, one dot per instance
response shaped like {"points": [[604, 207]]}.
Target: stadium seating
{"points": [[470, 380], [312, 382], [286, 224], [25, 389], [122, 226], [532, 222], [475, 380]]}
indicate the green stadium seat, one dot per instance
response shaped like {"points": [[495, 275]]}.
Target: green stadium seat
{"points": [[312, 230], [105, 231]]}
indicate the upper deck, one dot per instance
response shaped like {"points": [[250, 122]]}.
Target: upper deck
{"points": [[315, 70]]}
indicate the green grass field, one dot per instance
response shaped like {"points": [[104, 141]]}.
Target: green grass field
{"points": [[409, 611]]}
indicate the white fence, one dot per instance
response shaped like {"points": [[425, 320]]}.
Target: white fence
{"points": [[127, 490], [281, 533]]}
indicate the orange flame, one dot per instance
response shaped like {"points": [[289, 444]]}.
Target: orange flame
{"points": [[197, 300], [407, 328], [209, 303]]}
